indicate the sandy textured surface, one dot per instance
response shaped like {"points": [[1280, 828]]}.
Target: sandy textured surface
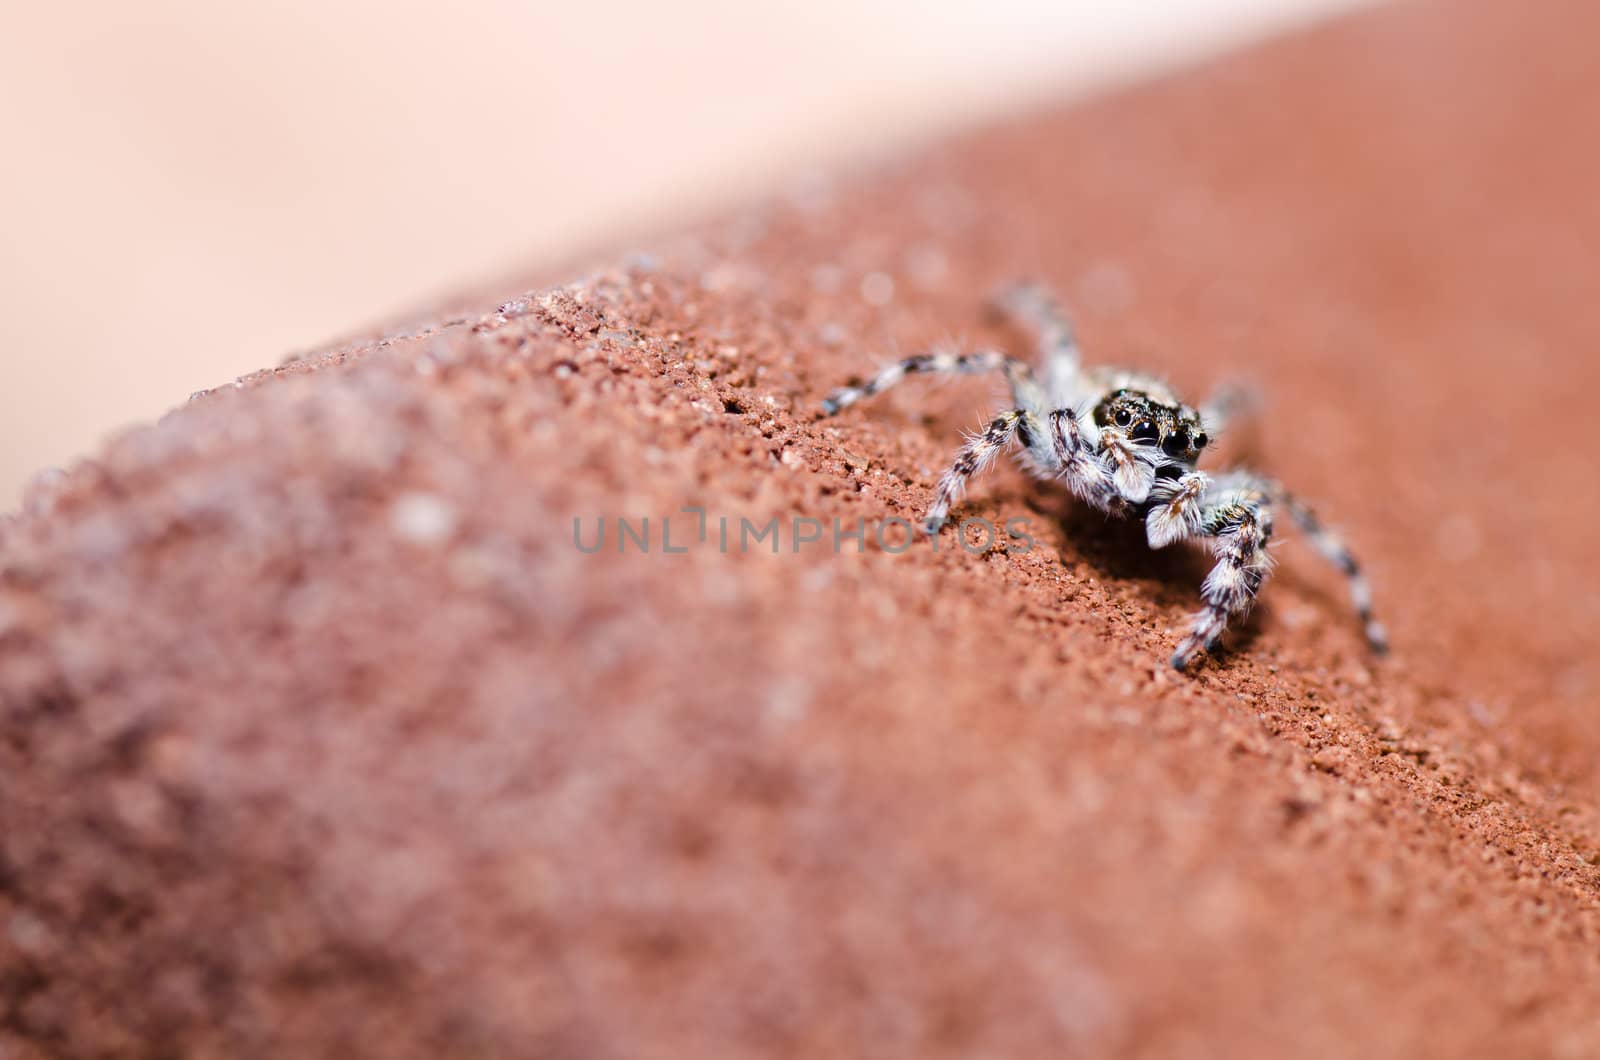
{"points": [[321, 738]]}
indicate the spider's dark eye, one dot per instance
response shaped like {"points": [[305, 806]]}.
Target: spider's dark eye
{"points": [[1122, 417], [1145, 431], [1176, 443], [1200, 440]]}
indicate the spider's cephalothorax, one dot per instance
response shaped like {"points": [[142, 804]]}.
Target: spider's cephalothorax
{"points": [[1126, 444]]}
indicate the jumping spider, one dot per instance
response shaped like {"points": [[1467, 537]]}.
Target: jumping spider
{"points": [[1126, 444]]}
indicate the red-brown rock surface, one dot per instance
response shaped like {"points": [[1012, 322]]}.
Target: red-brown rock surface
{"points": [[319, 737]]}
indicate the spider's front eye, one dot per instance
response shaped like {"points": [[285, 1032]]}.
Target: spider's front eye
{"points": [[1176, 443], [1145, 431], [1122, 417], [1200, 440]]}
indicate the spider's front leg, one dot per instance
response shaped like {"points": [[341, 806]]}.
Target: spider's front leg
{"points": [[1237, 517], [1059, 454], [1083, 471], [981, 450]]}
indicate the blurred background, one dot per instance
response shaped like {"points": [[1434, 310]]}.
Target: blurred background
{"points": [[196, 190]]}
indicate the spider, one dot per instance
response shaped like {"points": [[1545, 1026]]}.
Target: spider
{"points": [[1123, 442]]}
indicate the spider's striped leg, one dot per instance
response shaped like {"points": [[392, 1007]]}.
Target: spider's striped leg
{"points": [[980, 451], [1025, 392], [1237, 516], [1083, 471], [1332, 547], [1031, 306]]}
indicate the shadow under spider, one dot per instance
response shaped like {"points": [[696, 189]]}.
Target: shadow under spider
{"points": [[1117, 550]]}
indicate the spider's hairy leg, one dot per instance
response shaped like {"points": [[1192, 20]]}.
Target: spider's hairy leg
{"points": [[979, 453], [1025, 391], [1032, 307], [1331, 546], [1238, 519], [1083, 472]]}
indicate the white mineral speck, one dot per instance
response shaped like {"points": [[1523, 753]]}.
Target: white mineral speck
{"points": [[422, 519], [28, 933], [788, 701], [877, 288]]}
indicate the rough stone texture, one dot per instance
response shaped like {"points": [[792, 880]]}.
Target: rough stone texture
{"points": [[320, 737]]}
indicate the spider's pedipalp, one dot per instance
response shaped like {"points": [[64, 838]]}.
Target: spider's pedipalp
{"points": [[1132, 474], [1175, 508]]}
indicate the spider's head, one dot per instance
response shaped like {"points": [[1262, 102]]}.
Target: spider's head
{"points": [[1143, 421]]}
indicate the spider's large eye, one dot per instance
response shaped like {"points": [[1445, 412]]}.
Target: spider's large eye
{"points": [[1176, 443], [1200, 440], [1145, 431], [1122, 417]]}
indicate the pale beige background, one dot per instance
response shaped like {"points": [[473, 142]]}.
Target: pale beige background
{"points": [[192, 189]]}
